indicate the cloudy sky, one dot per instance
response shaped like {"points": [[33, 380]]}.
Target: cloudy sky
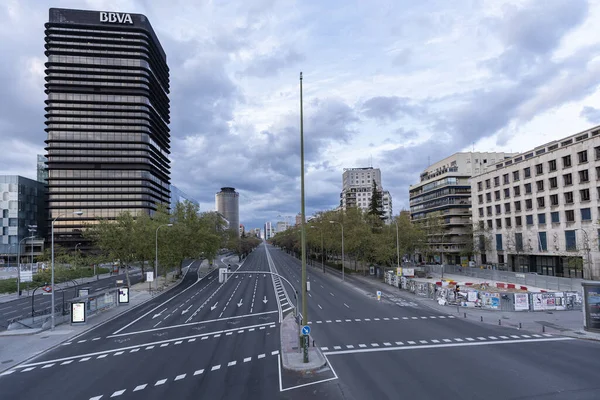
{"points": [[387, 83]]}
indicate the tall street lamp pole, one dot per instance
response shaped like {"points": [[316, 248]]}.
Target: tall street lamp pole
{"points": [[19, 265], [397, 244], [342, 225], [32, 230], [303, 227], [52, 277], [156, 253]]}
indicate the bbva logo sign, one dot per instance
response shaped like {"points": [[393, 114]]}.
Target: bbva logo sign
{"points": [[113, 17]]}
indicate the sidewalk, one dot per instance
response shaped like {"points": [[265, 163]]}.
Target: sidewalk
{"points": [[6, 297], [17, 349], [566, 323]]}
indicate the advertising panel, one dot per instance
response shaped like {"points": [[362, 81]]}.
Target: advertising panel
{"points": [[538, 301], [123, 295], [521, 302], [77, 312], [548, 301], [399, 271], [592, 302], [408, 271], [150, 276]]}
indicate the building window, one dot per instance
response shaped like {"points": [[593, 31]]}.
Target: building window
{"points": [[507, 222], [488, 197], [553, 199], [568, 197], [517, 206], [584, 194], [566, 161], [518, 221], [541, 219], [540, 186], [499, 241], [487, 184], [489, 224], [552, 165], [479, 186], [507, 207], [571, 240], [496, 181], [517, 190], [519, 241], [540, 202], [597, 152], [515, 176], [582, 156], [528, 204], [527, 172], [499, 223], [505, 179], [570, 215], [568, 179], [527, 188], [481, 211], [506, 193], [584, 176], [539, 169], [543, 243], [497, 208], [598, 173], [480, 199], [553, 182], [529, 219], [489, 210], [497, 195], [481, 224], [586, 214], [555, 217]]}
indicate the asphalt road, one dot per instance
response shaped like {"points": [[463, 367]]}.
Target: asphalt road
{"points": [[21, 308], [203, 339]]}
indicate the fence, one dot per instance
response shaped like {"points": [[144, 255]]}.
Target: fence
{"points": [[527, 279]]}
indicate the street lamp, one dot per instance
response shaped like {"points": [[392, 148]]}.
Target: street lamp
{"points": [[322, 247], [32, 230], [342, 225], [156, 260], [52, 277], [19, 265], [397, 244]]}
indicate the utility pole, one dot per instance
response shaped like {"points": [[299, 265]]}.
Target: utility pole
{"points": [[303, 228]]}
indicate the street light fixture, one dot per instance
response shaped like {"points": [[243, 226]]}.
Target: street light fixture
{"points": [[52, 277], [342, 225], [32, 230], [19, 265], [156, 253], [322, 247]]}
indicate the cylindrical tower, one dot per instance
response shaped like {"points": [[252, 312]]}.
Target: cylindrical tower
{"points": [[228, 203]]}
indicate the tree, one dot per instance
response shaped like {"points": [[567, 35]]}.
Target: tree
{"points": [[376, 203]]}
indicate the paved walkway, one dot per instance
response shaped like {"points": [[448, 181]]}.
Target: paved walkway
{"points": [[17, 349], [567, 323]]}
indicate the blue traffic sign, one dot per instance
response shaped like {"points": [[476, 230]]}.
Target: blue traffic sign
{"points": [[306, 330]]}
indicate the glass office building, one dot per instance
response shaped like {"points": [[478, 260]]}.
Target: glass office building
{"points": [[107, 118]]}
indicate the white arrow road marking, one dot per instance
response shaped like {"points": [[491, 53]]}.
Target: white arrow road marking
{"points": [[215, 306], [265, 300], [186, 310], [240, 303], [159, 314]]}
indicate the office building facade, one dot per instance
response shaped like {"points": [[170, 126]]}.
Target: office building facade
{"points": [[179, 196], [538, 211], [21, 206], [357, 190], [107, 118], [268, 231], [441, 204], [227, 202]]}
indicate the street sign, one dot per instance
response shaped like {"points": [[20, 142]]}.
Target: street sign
{"points": [[379, 295], [26, 276], [47, 289], [150, 276], [119, 281], [306, 330]]}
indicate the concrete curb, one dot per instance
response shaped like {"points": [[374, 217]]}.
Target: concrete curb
{"points": [[291, 356]]}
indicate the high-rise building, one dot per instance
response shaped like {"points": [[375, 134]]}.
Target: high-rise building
{"points": [[21, 207], [357, 190], [107, 118], [298, 219], [445, 189], [42, 171], [282, 226], [538, 210], [179, 196], [268, 230], [228, 203]]}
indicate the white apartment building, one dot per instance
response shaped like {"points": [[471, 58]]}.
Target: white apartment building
{"points": [[538, 211], [282, 226], [445, 187], [357, 189]]}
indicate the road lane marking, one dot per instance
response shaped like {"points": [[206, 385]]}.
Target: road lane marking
{"points": [[198, 372], [503, 337], [470, 339], [96, 397], [349, 346], [85, 359], [118, 353], [387, 344], [117, 393], [274, 353], [320, 306], [411, 342], [180, 377], [140, 387], [324, 348], [48, 365], [375, 344], [337, 347], [331, 294], [231, 363], [434, 341], [247, 359], [28, 369], [216, 367], [442, 345], [399, 343], [347, 306], [261, 356], [160, 382], [132, 351], [66, 362], [447, 340]]}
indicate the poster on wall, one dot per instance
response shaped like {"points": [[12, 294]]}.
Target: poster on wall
{"points": [[538, 301], [548, 301], [521, 302], [592, 302], [495, 300], [399, 271], [77, 312], [408, 271], [472, 295]]}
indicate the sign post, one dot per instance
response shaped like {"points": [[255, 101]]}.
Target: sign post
{"points": [[379, 295], [150, 279], [305, 342]]}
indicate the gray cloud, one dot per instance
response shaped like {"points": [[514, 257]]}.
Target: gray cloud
{"points": [[402, 58], [388, 108], [269, 65], [591, 114]]}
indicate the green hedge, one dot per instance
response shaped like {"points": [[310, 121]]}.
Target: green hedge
{"points": [[42, 277]]}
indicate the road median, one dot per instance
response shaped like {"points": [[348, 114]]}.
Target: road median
{"points": [[291, 354]]}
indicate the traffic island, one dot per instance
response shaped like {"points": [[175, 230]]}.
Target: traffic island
{"points": [[291, 353]]}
